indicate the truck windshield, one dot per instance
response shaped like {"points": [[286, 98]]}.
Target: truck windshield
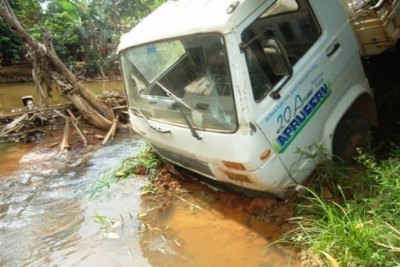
{"points": [[195, 71]]}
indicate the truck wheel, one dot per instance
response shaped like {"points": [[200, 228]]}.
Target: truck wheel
{"points": [[350, 134]]}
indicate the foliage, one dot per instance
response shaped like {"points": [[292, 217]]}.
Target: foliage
{"points": [[10, 47], [348, 228], [83, 30], [105, 181], [145, 162], [107, 225], [386, 191]]}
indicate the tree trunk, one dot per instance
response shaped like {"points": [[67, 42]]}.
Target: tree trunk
{"points": [[50, 69]]}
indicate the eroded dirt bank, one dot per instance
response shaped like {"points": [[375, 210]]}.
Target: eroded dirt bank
{"points": [[202, 226]]}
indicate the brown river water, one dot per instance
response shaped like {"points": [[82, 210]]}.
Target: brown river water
{"points": [[48, 217], [11, 93]]}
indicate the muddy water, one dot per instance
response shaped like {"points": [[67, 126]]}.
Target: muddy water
{"points": [[10, 155], [47, 217], [11, 93], [187, 236]]}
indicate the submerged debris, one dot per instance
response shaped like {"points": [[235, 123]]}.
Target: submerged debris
{"points": [[31, 122], [29, 125]]}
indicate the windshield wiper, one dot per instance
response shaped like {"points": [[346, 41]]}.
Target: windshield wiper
{"points": [[157, 129], [178, 102], [173, 96]]}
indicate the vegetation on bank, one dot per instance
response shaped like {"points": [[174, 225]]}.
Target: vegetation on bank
{"points": [[350, 214], [146, 162]]}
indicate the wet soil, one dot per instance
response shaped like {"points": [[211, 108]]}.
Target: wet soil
{"points": [[201, 226]]}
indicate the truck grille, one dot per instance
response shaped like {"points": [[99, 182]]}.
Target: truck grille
{"points": [[191, 163]]}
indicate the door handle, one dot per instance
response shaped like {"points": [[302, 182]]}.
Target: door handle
{"points": [[332, 49]]}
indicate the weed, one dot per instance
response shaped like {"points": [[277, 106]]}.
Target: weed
{"points": [[145, 162], [355, 224], [105, 181], [107, 225], [341, 231]]}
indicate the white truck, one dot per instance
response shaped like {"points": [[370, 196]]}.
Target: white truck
{"points": [[248, 92]]}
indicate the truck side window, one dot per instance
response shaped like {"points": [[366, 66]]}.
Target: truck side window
{"points": [[294, 25]]}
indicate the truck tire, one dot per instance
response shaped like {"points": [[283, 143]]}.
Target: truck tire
{"points": [[350, 134]]}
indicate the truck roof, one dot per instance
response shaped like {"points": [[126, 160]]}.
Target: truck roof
{"points": [[177, 18]]}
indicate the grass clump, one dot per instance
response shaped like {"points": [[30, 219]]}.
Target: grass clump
{"points": [[146, 162], [352, 221]]}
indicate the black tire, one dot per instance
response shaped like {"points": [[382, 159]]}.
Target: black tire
{"points": [[350, 134]]}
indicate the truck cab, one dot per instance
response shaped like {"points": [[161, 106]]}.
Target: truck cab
{"points": [[252, 93]]}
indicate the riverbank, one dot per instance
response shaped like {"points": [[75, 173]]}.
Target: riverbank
{"points": [[22, 72], [16, 73]]}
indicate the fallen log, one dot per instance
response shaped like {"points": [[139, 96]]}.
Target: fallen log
{"points": [[64, 143], [112, 130], [77, 128], [11, 115], [13, 125]]}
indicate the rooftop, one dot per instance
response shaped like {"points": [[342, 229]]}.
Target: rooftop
{"points": [[184, 17]]}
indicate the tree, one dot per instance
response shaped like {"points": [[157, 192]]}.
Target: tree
{"points": [[49, 71], [10, 46]]}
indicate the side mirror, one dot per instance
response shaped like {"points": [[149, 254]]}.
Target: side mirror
{"points": [[276, 56]]}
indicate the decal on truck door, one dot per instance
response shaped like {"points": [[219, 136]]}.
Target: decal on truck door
{"points": [[303, 115], [293, 112]]}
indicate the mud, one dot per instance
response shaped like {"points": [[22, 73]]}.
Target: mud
{"points": [[191, 224]]}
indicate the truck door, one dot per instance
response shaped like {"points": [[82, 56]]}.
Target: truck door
{"points": [[292, 108]]}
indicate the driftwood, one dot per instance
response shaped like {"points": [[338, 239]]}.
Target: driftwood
{"points": [[14, 125], [11, 115], [75, 124], [64, 143], [27, 125], [112, 130]]}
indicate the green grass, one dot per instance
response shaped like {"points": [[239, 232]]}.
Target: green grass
{"points": [[146, 162], [108, 226], [350, 216]]}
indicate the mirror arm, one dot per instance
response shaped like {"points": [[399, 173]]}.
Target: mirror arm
{"points": [[275, 94]]}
